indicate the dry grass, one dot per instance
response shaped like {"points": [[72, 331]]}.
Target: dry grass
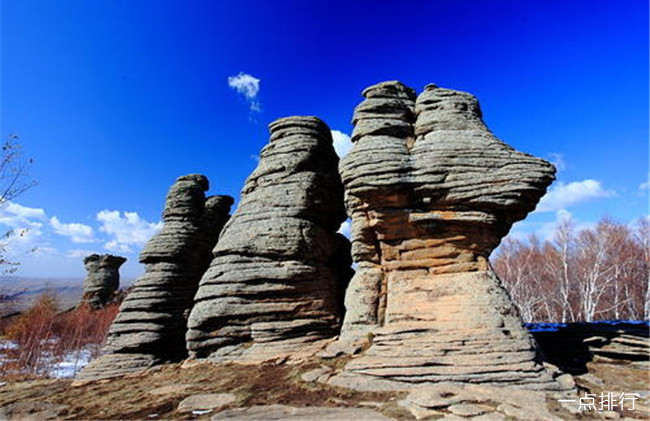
{"points": [[41, 337]]}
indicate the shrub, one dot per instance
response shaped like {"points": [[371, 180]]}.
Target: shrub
{"points": [[37, 340]]}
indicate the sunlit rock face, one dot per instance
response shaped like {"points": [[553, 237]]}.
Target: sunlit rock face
{"points": [[276, 282], [431, 192], [102, 279], [150, 327]]}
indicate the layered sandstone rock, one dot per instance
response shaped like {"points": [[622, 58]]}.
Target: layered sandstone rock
{"points": [[102, 280], [151, 325], [275, 283], [431, 192]]}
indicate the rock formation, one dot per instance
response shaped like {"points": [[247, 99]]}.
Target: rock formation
{"points": [[103, 279], [151, 325], [431, 192], [276, 282]]}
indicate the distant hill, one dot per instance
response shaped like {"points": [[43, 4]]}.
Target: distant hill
{"points": [[24, 291]]}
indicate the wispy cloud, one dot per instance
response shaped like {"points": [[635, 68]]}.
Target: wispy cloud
{"points": [[78, 233], [79, 253], [546, 231], [564, 195], [18, 216], [249, 87], [557, 159], [24, 228], [342, 143], [126, 230]]}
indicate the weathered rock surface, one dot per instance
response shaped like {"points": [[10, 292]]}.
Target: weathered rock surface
{"points": [[205, 402], [102, 280], [285, 412], [151, 325], [469, 400], [431, 192], [279, 270]]}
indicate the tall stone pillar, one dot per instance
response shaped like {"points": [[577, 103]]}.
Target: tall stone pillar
{"points": [[102, 279], [275, 284], [431, 192], [150, 327]]}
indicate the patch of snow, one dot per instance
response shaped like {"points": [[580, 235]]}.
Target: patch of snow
{"points": [[71, 364], [7, 344]]}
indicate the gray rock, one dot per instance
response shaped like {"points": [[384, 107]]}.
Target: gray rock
{"points": [[315, 374], [102, 280], [566, 381], [205, 401], [467, 409], [431, 192], [279, 270], [479, 400], [284, 412], [150, 327]]}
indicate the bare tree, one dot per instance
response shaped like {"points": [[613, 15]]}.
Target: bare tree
{"points": [[602, 272], [561, 265], [14, 181], [643, 237], [516, 268]]}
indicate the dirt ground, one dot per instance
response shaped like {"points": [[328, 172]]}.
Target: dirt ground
{"points": [[157, 393], [141, 396]]}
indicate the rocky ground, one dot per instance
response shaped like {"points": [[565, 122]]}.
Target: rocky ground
{"points": [[285, 391]]}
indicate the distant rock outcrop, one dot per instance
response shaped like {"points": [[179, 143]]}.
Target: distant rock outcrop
{"points": [[276, 282], [151, 325], [103, 279], [431, 192]]}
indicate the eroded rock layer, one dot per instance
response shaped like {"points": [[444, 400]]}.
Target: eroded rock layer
{"points": [[102, 280], [150, 327], [431, 192], [276, 281]]}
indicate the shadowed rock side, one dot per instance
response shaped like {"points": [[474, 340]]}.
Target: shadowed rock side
{"points": [[431, 192], [151, 325], [102, 280], [276, 282]]}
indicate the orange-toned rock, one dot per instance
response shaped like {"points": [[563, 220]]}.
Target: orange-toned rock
{"points": [[431, 192]]}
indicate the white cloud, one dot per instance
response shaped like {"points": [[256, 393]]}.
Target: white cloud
{"points": [[564, 195], [117, 247], [346, 228], [545, 231], [126, 231], [644, 186], [45, 250], [78, 233], [79, 253], [24, 232], [18, 216], [249, 87], [342, 143], [557, 159]]}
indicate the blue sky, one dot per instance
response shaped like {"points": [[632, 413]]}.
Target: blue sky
{"points": [[115, 99]]}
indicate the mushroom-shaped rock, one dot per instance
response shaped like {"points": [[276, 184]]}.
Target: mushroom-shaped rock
{"points": [[431, 192], [102, 279], [280, 268]]}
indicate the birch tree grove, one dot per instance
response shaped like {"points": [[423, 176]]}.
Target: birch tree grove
{"points": [[598, 273]]}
